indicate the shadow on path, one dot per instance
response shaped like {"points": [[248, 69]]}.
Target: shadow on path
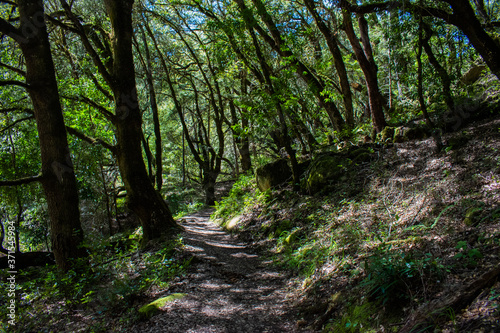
{"points": [[229, 289]]}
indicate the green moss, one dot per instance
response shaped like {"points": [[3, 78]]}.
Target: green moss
{"points": [[149, 310], [399, 135], [324, 169], [387, 134], [471, 216]]}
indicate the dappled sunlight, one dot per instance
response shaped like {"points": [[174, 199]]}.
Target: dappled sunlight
{"points": [[227, 285]]}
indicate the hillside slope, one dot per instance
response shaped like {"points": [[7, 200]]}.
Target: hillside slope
{"points": [[410, 240]]}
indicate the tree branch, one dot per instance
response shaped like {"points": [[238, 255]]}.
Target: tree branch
{"points": [[108, 115], [17, 122], [11, 31], [80, 30], [100, 87], [17, 109], [14, 69], [404, 5], [90, 140], [14, 83], [21, 181]]}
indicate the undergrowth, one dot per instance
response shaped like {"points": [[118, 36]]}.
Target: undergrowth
{"points": [[104, 290], [390, 237]]}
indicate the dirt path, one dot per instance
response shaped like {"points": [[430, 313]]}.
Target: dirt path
{"points": [[228, 290]]}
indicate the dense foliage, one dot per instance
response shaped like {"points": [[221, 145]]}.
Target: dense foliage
{"points": [[120, 114]]}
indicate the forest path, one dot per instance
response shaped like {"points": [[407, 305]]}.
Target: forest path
{"points": [[229, 289]]}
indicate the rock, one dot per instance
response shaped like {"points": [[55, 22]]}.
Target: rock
{"points": [[360, 155], [471, 216], [273, 174], [233, 223], [415, 133], [472, 75], [149, 310], [323, 169], [387, 134]]}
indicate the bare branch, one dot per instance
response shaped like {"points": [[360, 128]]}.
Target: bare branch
{"points": [[92, 141], [17, 122], [13, 83], [21, 181], [108, 115], [14, 69]]}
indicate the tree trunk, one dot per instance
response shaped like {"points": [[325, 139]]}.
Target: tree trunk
{"points": [[208, 182], [154, 214], [156, 120], [420, 89], [465, 19], [59, 183], [368, 66], [338, 61], [443, 74]]}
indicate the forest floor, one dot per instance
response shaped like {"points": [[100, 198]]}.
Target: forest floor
{"points": [[408, 241], [228, 287]]}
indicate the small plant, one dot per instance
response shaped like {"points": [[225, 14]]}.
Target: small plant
{"points": [[398, 277], [241, 196], [467, 255]]}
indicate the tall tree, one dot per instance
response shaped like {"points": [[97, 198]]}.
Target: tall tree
{"points": [[57, 177], [364, 55], [332, 42], [279, 45], [118, 71]]}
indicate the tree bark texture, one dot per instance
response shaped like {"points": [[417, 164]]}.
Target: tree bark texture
{"points": [[58, 177], [154, 214], [366, 62]]}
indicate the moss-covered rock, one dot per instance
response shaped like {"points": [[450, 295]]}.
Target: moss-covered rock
{"points": [[323, 169], [416, 133], [399, 134], [387, 134], [149, 310], [472, 216], [360, 155], [473, 74], [273, 174]]}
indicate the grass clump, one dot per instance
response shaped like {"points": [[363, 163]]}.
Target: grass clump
{"points": [[242, 197]]}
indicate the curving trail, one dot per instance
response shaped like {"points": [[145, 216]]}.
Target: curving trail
{"points": [[229, 289]]}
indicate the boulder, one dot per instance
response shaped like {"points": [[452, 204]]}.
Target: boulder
{"points": [[399, 134], [149, 310], [273, 174], [360, 155], [323, 169], [473, 74]]}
